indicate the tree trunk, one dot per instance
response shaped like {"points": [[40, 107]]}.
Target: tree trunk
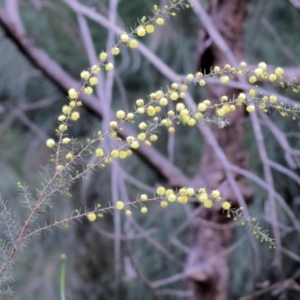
{"points": [[208, 262]]}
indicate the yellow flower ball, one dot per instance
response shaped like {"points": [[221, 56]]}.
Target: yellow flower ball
{"points": [[184, 112], [103, 56], [91, 217], [115, 51], [143, 125], [182, 199], [202, 82], [99, 152], [191, 122], [115, 153], [142, 136], [164, 203], [144, 210], [128, 213], [198, 116], [252, 79], [153, 137], [123, 154], [73, 94], [216, 194], [151, 110], [242, 97], [120, 205], [88, 90], [163, 101], [120, 114], [184, 87], [150, 28], [75, 116], [130, 116], [160, 21], [279, 71], [174, 96], [220, 112], [109, 67], [258, 72], [130, 139], [66, 141], [250, 108], [134, 145], [171, 198], [202, 107], [159, 94], [61, 118], [208, 203], [66, 109], [273, 99], [133, 44], [190, 192], [85, 75], [143, 197], [141, 31], [72, 103], [69, 156], [263, 66], [113, 124], [182, 95], [190, 77], [169, 192], [124, 37], [272, 77], [207, 102], [50, 143], [139, 102], [183, 191], [59, 168], [153, 96], [227, 67], [224, 98], [217, 69], [95, 69], [180, 106], [160, 190], [108, 160], [171, 113], [252, 93], [226, 205], [62, 127]]}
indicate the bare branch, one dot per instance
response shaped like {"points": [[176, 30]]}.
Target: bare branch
{"points": [[33, 127], [157, 245], [282, 140], [269, 179], [296, 3]]}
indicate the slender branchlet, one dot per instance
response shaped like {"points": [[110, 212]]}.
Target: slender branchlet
{"points": [[68, 152]]}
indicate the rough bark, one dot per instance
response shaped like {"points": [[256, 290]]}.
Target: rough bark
{"points": [[208, 263]]}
